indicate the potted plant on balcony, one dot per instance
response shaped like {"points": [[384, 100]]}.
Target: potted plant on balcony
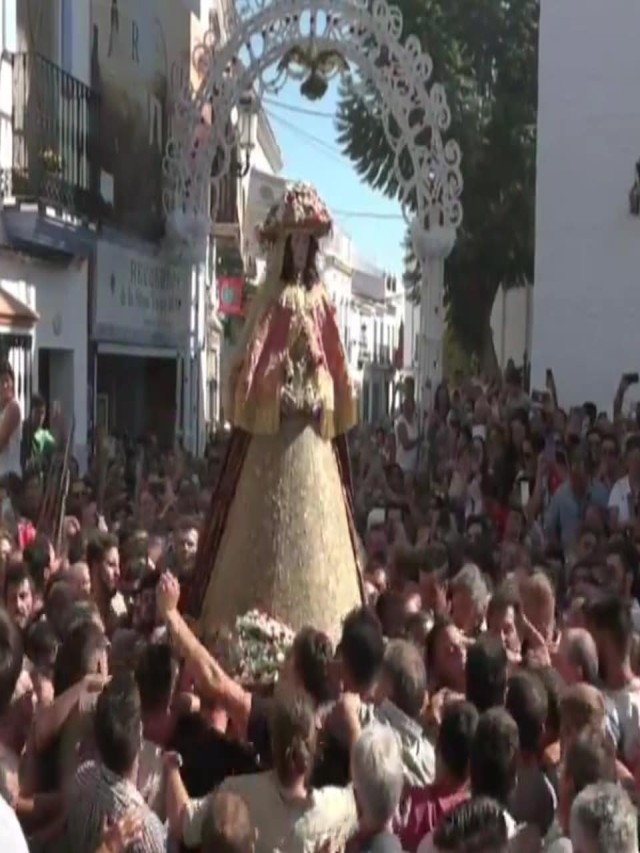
{"points": [[52, 161]]}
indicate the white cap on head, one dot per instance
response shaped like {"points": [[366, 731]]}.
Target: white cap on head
{"points": [[479, 431], [376, 518]]}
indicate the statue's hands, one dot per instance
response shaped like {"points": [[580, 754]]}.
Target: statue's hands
{"points": [[288, 405]]}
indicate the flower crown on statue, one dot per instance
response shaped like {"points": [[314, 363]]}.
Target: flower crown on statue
{"points": [[299, 209]]}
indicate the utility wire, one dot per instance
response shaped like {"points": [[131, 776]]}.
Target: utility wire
{"points": [[334, 153], [326, 148], [333, 149], [363, 214], [292, 108]]}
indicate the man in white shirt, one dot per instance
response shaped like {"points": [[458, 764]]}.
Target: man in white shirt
{"points": [[625, 494], [407, 430], [11, 835]]}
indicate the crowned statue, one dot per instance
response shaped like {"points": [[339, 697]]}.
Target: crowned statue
{"points": [[280, 534]]}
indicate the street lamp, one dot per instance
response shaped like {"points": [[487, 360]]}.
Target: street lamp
{"points": [[247, 124]]}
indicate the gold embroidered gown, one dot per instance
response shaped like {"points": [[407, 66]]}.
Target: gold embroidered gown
{"points": [[280, 533]]}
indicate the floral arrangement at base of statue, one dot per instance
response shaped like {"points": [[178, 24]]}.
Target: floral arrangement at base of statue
{"points": [[255, 648]]}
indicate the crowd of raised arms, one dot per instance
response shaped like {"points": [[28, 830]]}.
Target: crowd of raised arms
{"points": [[484, 698]]}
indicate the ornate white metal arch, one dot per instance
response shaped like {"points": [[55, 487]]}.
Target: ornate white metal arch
{"points": [[413, 111]]}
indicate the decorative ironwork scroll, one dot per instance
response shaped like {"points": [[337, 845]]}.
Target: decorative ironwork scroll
{"points": [[272, 41]]}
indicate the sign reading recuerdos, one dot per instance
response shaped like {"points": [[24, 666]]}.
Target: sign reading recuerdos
{"points": [[139, 297]]}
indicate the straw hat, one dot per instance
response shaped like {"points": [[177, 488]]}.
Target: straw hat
{"points": [[299, 209]]}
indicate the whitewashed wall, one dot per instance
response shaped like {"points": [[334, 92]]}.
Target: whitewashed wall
{"points": [[368, 280], [511, 325], [266, 162], [262, 160], [337, 280], [59, 296], [511, 321], [587, 275], [337, 276], [411, 331]]}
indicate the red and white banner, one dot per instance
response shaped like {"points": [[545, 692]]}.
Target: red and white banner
{"points": [[231, 295]]}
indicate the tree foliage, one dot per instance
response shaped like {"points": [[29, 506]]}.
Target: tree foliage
{"points": [[485, 53]]}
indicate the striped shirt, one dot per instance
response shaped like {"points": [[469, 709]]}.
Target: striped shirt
{"points": [[95, 793]]}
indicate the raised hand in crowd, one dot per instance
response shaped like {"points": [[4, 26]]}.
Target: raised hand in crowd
{"points": [[167, 594], [435, 708], [503, 672], [120, 835]]}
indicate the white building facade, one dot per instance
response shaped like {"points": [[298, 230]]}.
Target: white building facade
{"points": [[337, 274], [47, 203], [58, 296], [376, 348], [411, 337], [106, 323], [263, 186], [586, 305], [512, 326], [142, 316], [148, 334]]}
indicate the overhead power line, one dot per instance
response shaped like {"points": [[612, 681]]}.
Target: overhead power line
{"points": [[363, 214], [292, 108], [325, 147], [334, 153]]}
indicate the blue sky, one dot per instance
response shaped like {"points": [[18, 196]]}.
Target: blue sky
{"points": [[310, 152]]}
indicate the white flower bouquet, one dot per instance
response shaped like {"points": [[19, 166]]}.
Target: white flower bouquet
{"points": [[255, 648]]}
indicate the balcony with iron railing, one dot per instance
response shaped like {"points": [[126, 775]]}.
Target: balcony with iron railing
{"points": [[51, 155]]}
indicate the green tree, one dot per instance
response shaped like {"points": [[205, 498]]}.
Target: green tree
{"points": [[485, 54]]}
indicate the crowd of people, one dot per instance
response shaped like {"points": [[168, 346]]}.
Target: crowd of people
{"points": [[484, 698]]}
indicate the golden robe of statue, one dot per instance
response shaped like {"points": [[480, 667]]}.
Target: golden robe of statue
{"points": [[280, 534]]}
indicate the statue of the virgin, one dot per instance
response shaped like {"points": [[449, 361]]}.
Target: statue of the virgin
{"points": [[280, 534]]}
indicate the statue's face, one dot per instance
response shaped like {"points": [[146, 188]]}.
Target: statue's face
{"points": [[300, 250]]}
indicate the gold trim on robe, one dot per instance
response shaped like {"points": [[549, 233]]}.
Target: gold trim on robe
{"points": [[295, 364]]}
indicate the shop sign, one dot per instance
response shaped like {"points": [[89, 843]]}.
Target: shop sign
{"points": [[230, 295], [140, 297]]}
